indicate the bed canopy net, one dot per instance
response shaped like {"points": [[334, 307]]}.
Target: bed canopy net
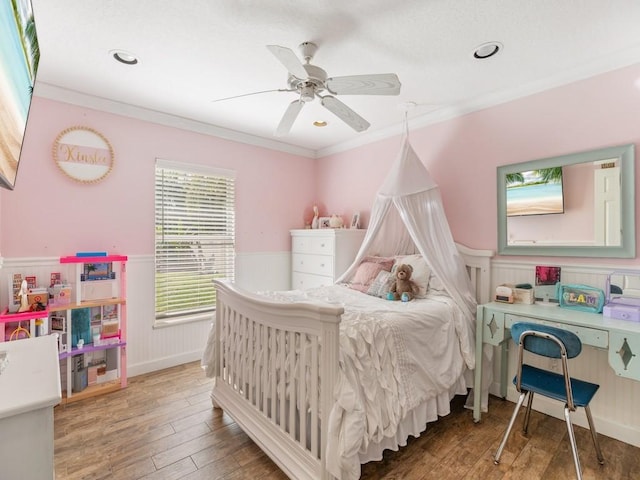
{"points": [[407, 217]]}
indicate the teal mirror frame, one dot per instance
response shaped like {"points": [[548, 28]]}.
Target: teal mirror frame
{"points": [[627, 249]]}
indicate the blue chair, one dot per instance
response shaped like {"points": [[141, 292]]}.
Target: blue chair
{"points": [[550, 342]]}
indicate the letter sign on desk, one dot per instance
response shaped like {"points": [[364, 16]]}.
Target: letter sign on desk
{"points": [[83, 154]]}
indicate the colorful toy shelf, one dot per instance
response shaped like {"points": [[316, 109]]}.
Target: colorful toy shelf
{"points": [[18, 318], [94, 287], [90, 348], [93, 259], [6, 317]]}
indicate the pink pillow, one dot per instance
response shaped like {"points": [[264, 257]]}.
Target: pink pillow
{"points": [[368, 271]]}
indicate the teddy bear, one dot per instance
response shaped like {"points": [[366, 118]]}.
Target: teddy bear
{"points": [[403, 285]]}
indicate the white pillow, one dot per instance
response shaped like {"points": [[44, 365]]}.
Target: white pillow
{"points": [[421, 272], [436, 285]]}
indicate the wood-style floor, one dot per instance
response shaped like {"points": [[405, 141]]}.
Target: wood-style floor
{"points": [[162, 426]]}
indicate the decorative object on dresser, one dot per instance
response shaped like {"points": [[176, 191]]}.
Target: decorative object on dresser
{"points": [[355, 220], [336, 221], [323, 222], [319, 257]]}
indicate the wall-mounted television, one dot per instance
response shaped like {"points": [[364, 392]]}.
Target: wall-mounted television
{"points": [[535, 192], [19, 56]]}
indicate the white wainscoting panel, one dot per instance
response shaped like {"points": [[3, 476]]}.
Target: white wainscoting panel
{"points": [[615, 406], [264, 271]]}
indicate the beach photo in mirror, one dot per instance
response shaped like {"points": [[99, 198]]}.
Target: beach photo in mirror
{"points": [[535, 192]]}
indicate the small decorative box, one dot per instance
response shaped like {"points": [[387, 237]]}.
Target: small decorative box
{"points": [[580, 297], [517, 295], [621, 307]]}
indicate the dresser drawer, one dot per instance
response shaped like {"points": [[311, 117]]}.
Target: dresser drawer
{"points": [[302, 281], [589, 336], [316, 264], [309, 244], [323, 245]]}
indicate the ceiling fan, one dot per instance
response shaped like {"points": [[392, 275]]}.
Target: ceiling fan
{"points": [[310, 81]]}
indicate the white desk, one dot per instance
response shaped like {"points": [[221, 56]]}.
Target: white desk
{"points": [[619, 337], [29, 389]]}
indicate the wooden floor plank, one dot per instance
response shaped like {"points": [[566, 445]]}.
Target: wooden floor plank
{"points": [[162, 427]]}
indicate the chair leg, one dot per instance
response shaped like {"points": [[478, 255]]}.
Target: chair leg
{"points": [[527, 414], [496, 458], [572, 439], [594, 435]]}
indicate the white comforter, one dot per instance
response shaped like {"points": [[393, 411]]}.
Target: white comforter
{"points": [[393, 357]]}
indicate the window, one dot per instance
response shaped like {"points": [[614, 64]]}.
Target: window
{"points": [[194, 238]]}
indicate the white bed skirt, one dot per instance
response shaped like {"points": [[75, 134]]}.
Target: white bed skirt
{"points": [[416, 422]]}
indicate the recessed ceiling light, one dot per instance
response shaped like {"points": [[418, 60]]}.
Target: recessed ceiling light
{"points": [[320, 123], [487, 50], [124, 57]]}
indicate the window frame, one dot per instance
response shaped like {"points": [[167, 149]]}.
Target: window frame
{"points": [[222, 217]]}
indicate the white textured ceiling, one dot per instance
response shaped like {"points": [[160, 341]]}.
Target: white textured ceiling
{"points": [[195, 51]]}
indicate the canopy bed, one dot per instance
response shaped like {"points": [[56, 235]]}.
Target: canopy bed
{"points": [[326, 379]]}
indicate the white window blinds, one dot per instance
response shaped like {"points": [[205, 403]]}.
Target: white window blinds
{"points": [[194, 238]]}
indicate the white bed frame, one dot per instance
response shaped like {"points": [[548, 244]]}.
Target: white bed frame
{"points": [[247, 329]]}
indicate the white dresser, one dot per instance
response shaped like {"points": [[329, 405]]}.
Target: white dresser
{"points": [[319, 257]]}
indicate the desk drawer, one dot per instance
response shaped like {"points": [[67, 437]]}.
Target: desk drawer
{"points": [[587, 335], [316, 264]]}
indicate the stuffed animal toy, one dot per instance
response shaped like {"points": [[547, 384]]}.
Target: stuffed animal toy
{"points": [[403, 288]]}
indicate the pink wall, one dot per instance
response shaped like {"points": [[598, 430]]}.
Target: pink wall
{"points": [[49, 215], [462, 154]]}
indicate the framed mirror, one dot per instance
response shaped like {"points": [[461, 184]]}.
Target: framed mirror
{"points": [[576, 205], [83, 154]]}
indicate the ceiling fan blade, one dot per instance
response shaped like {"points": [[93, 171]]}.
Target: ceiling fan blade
{"points": [[252, 93], [290, 61], [289, 117], [377, 84], [344, 113]]}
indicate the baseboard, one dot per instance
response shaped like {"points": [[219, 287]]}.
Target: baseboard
{"points": [[162, 363]]}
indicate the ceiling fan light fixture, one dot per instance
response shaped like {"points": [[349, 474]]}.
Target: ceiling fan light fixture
{"points": [[307, 93], [124, 57], [487, 50]]}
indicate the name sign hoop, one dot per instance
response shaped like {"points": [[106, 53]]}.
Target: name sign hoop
{"points": [[83, 154]]}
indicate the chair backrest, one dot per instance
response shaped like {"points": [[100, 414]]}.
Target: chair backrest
{"points": [[546, 347]]}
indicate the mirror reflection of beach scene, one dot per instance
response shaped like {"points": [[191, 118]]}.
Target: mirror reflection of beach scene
{"points": [[535, 192], [19, 55]]}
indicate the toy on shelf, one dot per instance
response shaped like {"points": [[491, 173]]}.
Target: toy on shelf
{"points": [[11, 324], [24, 299]]}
